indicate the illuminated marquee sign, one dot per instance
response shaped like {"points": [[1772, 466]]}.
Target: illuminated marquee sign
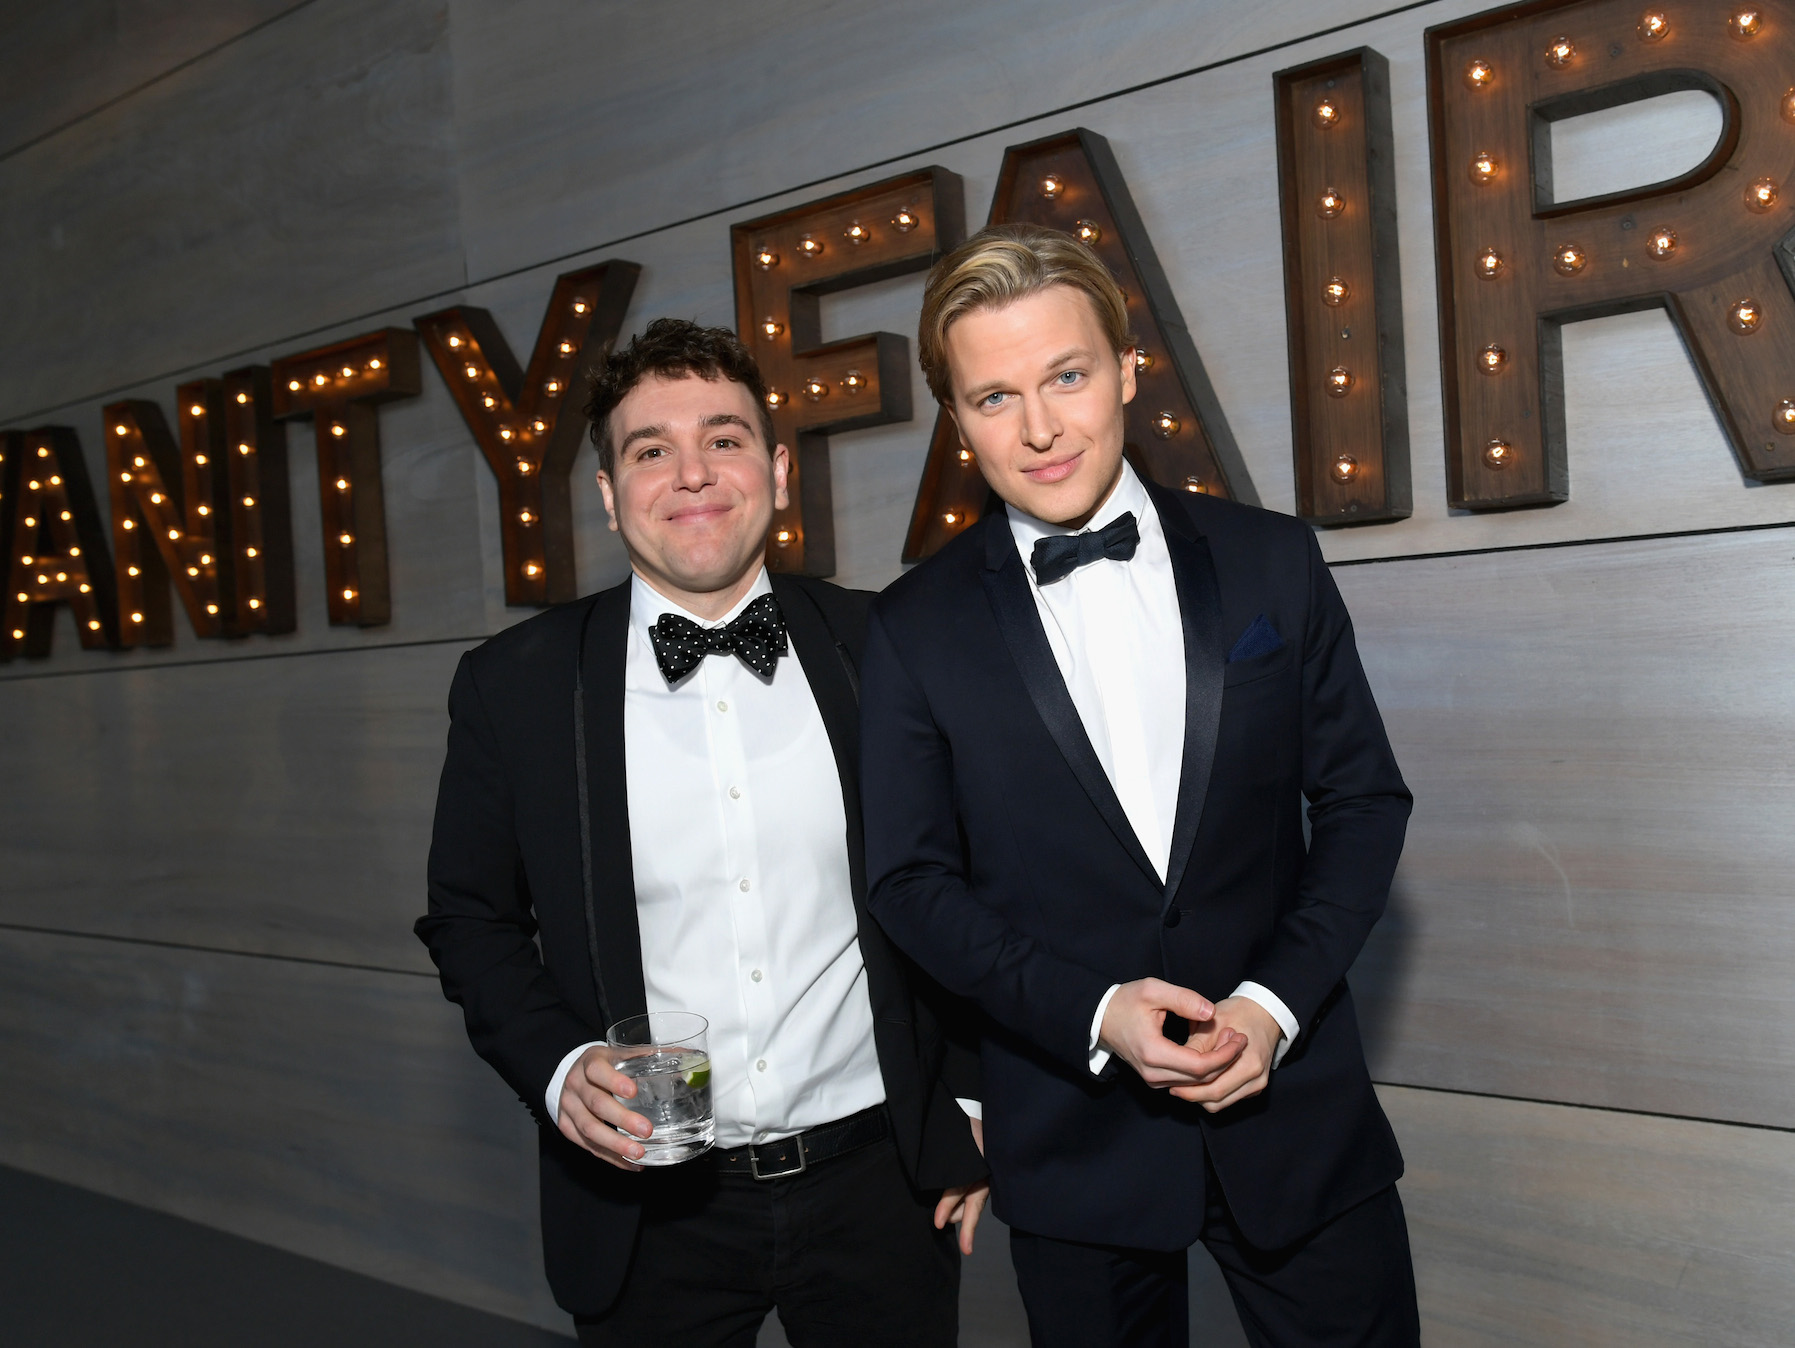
{"points": [[201, 510], [1176, 433]]}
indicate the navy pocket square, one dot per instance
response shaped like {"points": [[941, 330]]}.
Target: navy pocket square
{"points": [[1261, 638]]}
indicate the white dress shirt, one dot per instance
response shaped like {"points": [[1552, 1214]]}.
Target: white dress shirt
{"points": [[1118, 638], [739, 842]]}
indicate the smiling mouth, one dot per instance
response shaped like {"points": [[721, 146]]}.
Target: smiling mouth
{"points": [[697, 514], [1053, 472]]}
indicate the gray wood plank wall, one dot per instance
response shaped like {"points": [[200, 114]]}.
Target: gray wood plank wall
{"points": [[209, 997]]}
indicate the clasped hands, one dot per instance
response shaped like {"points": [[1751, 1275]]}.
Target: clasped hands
{"points": [[1227, 1058]]}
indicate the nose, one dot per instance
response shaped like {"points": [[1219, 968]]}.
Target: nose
{"points": [[1040, 427], [692, 470]]}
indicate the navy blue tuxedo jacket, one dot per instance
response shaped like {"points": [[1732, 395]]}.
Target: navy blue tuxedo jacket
{"points": [[999, 857]]}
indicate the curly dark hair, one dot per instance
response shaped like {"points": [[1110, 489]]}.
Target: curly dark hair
{"points": [[671, 348]]}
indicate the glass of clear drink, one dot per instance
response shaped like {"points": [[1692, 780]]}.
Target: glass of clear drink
{"points": [[664, 1053]]}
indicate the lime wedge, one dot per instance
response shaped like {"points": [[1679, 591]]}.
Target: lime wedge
{"points": [[699, 1077]]}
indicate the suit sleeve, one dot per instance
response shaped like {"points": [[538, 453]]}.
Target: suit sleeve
{"points": [[1358, 811], [917, 886], [480, 927]]}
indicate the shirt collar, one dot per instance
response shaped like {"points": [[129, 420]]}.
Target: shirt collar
{"points": [[647, 604], [1127, 495]]}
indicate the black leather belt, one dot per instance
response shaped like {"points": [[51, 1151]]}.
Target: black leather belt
{"points": [[796, 1154]]}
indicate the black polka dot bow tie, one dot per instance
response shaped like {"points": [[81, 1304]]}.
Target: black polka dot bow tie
{"points": [[757, 635]]}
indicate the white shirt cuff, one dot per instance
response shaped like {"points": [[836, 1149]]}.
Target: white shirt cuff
{"points": [[1275, 1007], [559, 1079], [1100, 1056], [975, 1109]]}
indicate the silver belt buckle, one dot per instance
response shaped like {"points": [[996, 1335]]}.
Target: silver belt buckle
{"points": [[754, 1161]]}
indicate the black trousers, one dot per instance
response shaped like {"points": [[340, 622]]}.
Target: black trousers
{"points": [[847, 1251], [1350, 1285]]}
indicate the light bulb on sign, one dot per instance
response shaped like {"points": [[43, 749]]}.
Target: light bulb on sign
{"points": [[579, 306], [349, 596], [1661, 243], [854, 382], [526, 517], [965, 456], [1498, 454], [1335, 293], [1479, 73], [1484, 168], [1489, 264], [553, 386], [815, 390], [345, 540], [1784, 418], [1326, 114], [1654, 25], [1052, 185], [771, 326], [1329, 204], [523, 468], [1088, 231], [320, 378], [1560, 52], [1344, 468], [472, 371], [488, 401], [1194, 484], [783, 537], [765, 258], [566, 348], [1761, 195], [245, 450], [1745, 317], [775, 398], [292, 387], [1568, 259], [1492, 359], [196, 411], [531, 569], [1788, 106], [1338, 382], [1166, 425], [121, 429], [454, 340], [348, 372], [810, 246], [856, 233], [905, 221], [1745, 24], [951, 517], [339, 430], [242, 397]]}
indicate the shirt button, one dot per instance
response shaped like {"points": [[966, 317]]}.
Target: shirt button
{"points": [[742, 884], [755, 975], [722, 706], [735, 793], [761, 1066]]}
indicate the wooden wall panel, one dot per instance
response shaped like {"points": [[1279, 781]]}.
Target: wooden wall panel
{"points": [[1594, 902], [303, 176], [1538, 1224], [65, 60], [336, 1113], [282, 806]]}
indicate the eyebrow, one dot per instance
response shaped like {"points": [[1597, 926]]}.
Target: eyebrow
{"points": [[1070, 354], [660, 432]]}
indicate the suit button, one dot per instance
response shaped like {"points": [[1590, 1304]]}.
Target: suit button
{"points": [[1174, 916]]}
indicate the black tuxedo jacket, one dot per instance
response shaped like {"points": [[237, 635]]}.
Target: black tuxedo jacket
{"points": [[1001, 859], [532, 918]]}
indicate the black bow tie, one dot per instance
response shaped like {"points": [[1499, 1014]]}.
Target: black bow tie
{"points": [[757, 635], [1062, 554]]}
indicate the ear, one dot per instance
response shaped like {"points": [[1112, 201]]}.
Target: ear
{"points": [[782, 469], [1128, 381], [606, 490]]}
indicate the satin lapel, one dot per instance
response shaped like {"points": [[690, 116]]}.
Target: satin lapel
{"points": [[1205, 655], [1020, 622], [814, 645], [616, 937]]}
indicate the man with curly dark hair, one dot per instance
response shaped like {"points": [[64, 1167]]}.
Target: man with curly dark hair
{"points": [[649, 805]]}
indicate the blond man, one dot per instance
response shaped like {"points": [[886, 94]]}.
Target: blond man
{"points": [[1089, 726]]}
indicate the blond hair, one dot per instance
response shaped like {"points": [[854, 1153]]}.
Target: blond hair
{"points": [[1000, 265]]}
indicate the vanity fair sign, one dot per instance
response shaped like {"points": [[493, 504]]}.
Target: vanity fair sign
{"points": [[198, 507]]}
